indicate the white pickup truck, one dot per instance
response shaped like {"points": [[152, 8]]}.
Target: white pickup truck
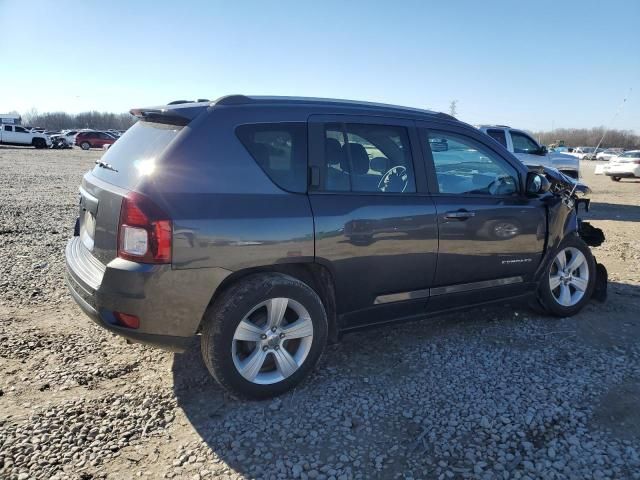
{"points": [[19, 135], [529, 151]]}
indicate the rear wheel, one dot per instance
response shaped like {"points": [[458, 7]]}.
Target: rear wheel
{"points": [[264, 335], [615, 179], [85, 145], [569, 280]]}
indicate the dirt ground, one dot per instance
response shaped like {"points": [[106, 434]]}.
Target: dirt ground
{"points": [[78, 402]]}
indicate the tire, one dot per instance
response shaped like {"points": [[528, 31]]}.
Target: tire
{"points": [[39, 143], [85, 145], [249, 302], [615, 179], [555, 284]]}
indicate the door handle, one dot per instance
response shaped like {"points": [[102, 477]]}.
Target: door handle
{"points": [[459, 215]]}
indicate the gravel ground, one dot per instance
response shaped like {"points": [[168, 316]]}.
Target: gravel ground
{"points": [[494, 393]]}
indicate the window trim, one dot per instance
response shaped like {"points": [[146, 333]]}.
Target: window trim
{"points": [[302, 125], [316, 126], [424, 130]]}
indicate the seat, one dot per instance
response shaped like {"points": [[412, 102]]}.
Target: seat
{"points": [[337, 176], [361, 180]]}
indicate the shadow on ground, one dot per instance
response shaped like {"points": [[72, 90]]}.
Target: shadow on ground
{"points": [[613, 211], [604, 326]]}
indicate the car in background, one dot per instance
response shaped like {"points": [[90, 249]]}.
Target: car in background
{"points": [[626, 165], [530, 152], [581, 152], [87, 140], [609, 153], [21, 136], [593, 155]]}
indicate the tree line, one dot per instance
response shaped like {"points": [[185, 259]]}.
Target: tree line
{"points": [[590, 137], [63, 120]]}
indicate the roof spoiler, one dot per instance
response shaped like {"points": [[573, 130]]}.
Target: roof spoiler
{"points": [[162, 115]]}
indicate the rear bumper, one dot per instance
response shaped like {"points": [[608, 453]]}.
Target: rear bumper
{"points": [[169, 303]]}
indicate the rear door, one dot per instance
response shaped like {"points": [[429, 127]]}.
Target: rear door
{"points": [[375, 224], [7, 134], [490, 234]]}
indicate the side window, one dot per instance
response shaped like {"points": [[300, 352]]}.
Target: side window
{"points": [[20, 130], [499, 136], [523, 144], [367, 158], [8, 128], [281, 151], [463, 167]]}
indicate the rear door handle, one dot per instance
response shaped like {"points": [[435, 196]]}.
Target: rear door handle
{"points": [[459, 215]]}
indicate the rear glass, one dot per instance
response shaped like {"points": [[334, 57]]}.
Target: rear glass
{"points": [[134, 154]]}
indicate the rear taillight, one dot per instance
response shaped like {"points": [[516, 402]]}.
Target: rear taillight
{"points": [[144, 231], [127, 320]]}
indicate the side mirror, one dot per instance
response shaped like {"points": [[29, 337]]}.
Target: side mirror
{"points": [[537, 184], [543, 150]]}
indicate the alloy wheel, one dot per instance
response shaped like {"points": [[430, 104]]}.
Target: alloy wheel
{"points": [[272, 341], [569, 277]]}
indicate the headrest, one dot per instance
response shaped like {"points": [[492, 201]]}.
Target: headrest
{"points": [[359, 159], [333, 151]]}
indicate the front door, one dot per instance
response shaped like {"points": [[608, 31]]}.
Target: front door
{"points": [[490, 234], [375, 224]]}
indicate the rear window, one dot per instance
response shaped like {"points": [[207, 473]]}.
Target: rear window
{"points": [[133, 155], [281, 151]]}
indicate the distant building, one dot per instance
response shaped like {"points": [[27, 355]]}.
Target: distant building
{"points": [[10, 119]]}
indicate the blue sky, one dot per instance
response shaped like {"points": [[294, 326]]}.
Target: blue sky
{"points": [[529, 64]]}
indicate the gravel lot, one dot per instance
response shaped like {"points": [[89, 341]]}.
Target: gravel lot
{"points": [[494, 393]]}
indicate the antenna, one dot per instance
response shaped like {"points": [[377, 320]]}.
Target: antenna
{"points": [[617, 112]]}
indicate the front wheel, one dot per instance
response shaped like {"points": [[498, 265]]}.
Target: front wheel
{"points": [[568, 281], [264, 335], [85, 145]]}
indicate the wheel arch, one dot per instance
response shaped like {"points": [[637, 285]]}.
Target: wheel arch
{"points": [[316, 276]]}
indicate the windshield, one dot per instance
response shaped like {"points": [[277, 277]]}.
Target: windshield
{"points": [[133, 155]]}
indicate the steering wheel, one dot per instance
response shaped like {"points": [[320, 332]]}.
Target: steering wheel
{"points": [[394, 178]]}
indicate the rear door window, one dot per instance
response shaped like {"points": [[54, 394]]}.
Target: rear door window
{"points": [[281, 151], [135, 153], [498, 135], [367, 158]]}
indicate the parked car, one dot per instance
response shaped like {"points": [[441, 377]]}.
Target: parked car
{"points": [[20, 136], [593, 154], [530, 152], [93, 139], [626, 165], [609, 153], [274, 224], [580, 152]]}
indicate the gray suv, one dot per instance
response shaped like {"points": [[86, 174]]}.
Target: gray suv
{"points": [[274, 225]]}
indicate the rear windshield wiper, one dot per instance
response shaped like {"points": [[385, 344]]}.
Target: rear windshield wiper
{"points": [[106, 165]]}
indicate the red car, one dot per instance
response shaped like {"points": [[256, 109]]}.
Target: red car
{"points": [[87, 140]]}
